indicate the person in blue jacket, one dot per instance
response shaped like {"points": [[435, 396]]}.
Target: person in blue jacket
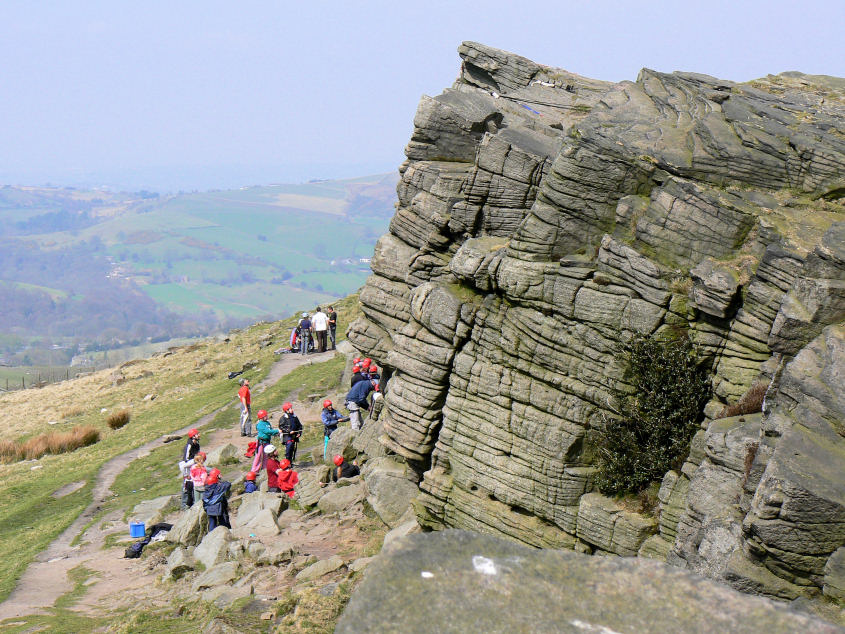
{"points": [[214, 500], [356, 401], [331, 417]]}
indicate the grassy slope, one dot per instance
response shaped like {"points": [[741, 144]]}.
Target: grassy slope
{"points": [[189, 383]]}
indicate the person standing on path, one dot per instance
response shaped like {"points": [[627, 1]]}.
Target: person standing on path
{"points": [[333, 327], [304, 333], [330, 417], [264, 433], [321, 326], [291, 428], [246, 399]]}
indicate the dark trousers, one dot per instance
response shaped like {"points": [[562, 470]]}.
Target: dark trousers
{"points": [[333, 336], [218, 520], [290, 451], [187, 494], [321, 340]]}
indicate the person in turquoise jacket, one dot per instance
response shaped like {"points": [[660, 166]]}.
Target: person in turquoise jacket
{"points": [[265, 432]]}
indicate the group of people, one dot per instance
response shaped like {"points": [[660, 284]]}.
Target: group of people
{"points": [[201, 484], [318, 327]]}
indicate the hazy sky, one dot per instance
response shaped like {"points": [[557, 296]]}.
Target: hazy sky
{"points": [[199, 94]]}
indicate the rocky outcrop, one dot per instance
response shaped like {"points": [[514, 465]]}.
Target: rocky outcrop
{"points": [[421, 584], [543, 219]]}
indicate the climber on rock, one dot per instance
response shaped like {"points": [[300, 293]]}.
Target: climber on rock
{"points": [[343, 469], [330, 417], [215, 502]]}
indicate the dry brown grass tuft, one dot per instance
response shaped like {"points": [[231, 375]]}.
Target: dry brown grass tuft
{"points": [[54, 442], [9, 451], [118, 419], [749, 403], [72, 411]]}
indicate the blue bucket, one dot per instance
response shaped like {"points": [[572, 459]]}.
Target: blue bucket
{"points": [[137, 529]]}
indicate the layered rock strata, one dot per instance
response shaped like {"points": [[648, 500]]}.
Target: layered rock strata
{"points": [[543, 219]]}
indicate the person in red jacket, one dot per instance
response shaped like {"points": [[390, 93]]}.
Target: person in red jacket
{"points": [[246, 401], [287, 477], [273, 468]]}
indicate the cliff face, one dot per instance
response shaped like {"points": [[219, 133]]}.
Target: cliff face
{"points": [[542, 219]]}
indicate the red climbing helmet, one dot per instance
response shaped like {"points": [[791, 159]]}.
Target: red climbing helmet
{"points": [[249, 476], [327, 403], [373, 369], [262, 414], [213, 476], [201, 454], [338, 460], [284, 464], [366, 363], [355, 369], [193, 433], [287, 407], [356, 360]]}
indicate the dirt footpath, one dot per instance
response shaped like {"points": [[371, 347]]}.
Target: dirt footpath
{"points": [[45, 580]]}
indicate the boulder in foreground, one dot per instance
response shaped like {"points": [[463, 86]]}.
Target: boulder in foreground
{"points": [[458, 581]]}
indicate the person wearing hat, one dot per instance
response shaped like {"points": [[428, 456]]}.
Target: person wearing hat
{"points": [[343, 469], [273, 467], [356, 401], [291, 428], [330, 417], [264, 434], [249, 482], [246, 400], [304, 333], [214, 500], [287, 477], [356, 375]]}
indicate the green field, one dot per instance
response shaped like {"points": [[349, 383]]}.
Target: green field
{"points": [[212, 258]]}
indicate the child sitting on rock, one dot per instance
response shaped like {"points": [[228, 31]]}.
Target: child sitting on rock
{"points": [[215, 502], [287, 477], [344, 469], [198, 475], [249, 486]]}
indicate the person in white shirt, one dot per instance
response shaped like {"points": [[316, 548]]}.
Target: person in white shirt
{"points": [[320, 321]]}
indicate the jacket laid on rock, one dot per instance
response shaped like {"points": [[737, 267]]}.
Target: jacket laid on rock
{"points": [[265, 431], [214, 499]]}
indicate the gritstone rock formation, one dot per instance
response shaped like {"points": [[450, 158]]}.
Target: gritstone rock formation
{"points": [[542, 219]]}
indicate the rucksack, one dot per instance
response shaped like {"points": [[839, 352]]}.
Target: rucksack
{"points": [[135, 550]]}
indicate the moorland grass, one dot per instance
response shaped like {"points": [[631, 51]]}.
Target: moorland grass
{"points": [[30, 518]]}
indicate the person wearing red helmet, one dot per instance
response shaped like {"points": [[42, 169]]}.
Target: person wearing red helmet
{"points": [[246, 403], [357, 375], [344, 469], [249, 482], [330, 417], [287, 477], [214, 500], [291, 428], [264, 433]]}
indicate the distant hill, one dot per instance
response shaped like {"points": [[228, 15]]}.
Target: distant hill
{"points": [[104, 268]]}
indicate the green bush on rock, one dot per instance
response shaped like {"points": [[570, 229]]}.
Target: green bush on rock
{"points": [[656, 421]]}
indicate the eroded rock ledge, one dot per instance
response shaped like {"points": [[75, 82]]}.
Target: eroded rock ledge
{"points": [[542, 219]]}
